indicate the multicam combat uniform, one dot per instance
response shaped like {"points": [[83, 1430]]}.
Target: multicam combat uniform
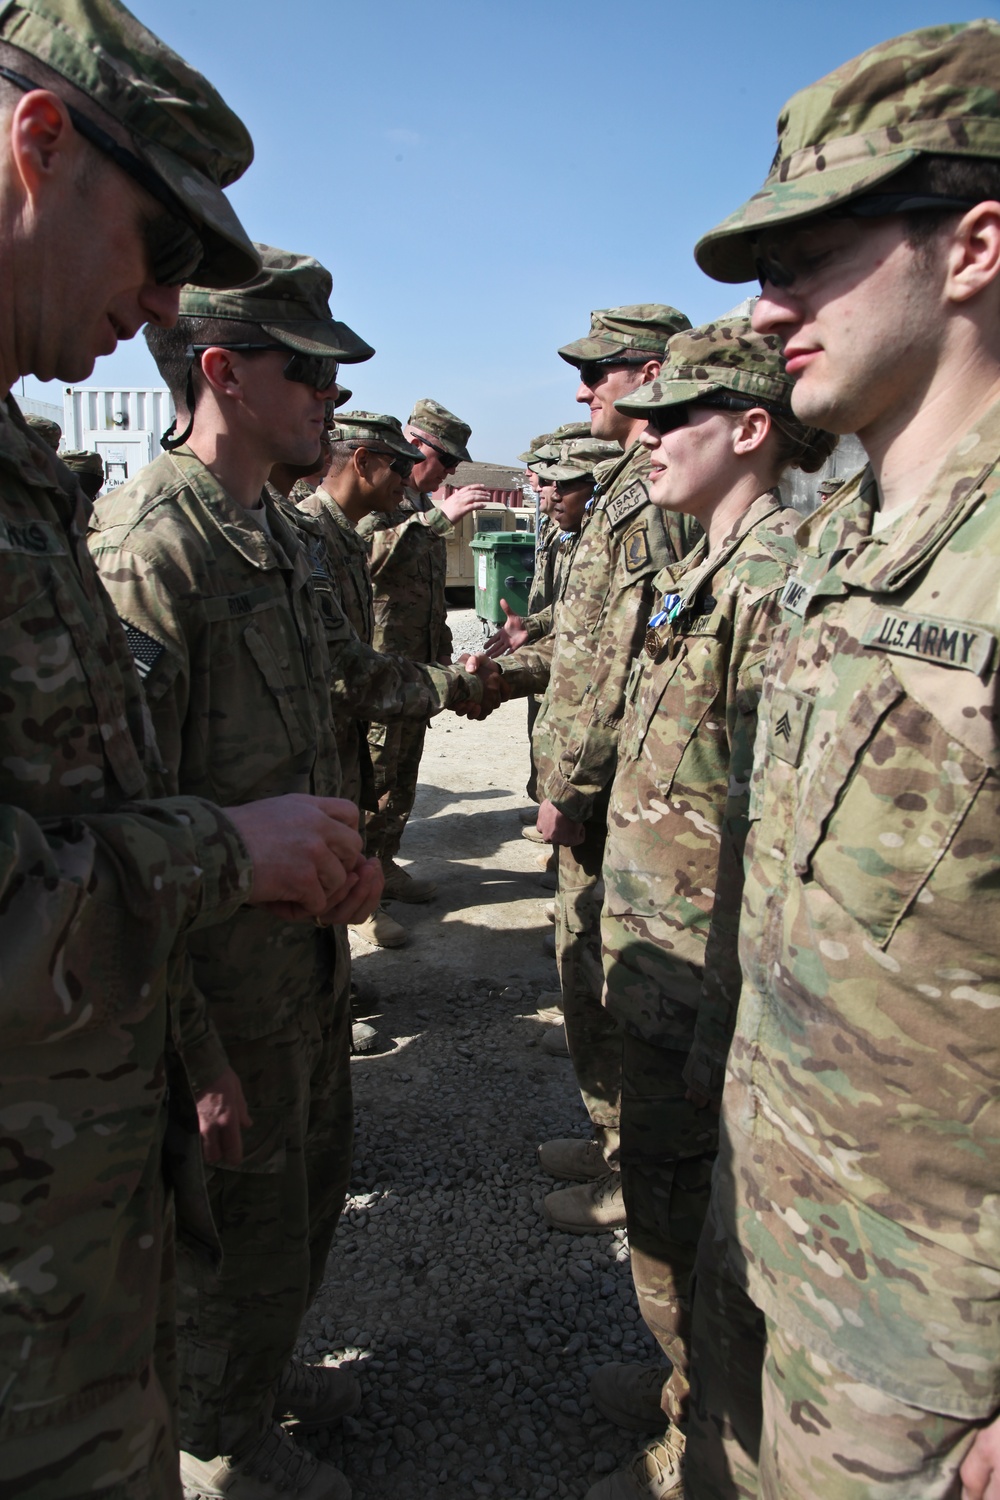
{"points": [[409, 563], [624, 543], [685, 751], [98, 884], [220, 614], [861, 1104]]}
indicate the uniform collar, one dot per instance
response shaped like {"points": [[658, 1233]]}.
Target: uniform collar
{"points": [[235, 524], [689, 574], [841, 530]]}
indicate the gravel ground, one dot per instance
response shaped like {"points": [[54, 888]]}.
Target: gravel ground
{"points": [[472, 1326]]}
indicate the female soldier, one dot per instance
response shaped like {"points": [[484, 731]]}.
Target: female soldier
{"points": [[721, 433]]}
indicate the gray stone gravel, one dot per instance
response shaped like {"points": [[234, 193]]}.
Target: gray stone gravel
{"points": [[468, 631], [472, 1327]]}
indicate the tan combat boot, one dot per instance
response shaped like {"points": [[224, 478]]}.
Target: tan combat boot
{"points": [[381, 930], [630, 1395], [400, 885], [554, 1041], [573, 1161], [550, 1009], [275, 1467], [591, 1208], [316, 1395], [653, 1474]]}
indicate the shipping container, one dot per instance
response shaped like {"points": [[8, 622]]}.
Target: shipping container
{"points": [[123, 425]]}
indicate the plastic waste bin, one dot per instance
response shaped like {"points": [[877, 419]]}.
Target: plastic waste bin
{"points": [[504, 563]]}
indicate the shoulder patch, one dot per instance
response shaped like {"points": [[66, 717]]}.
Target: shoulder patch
{"points": [[146, 649], [627, 503], [635, 548], [949, 643]]}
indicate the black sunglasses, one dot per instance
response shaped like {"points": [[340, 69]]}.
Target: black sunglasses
{"points": [[319, 371], [592, 370], [174, 244], [448, 459]]}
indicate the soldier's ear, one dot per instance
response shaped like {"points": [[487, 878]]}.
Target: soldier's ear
{"points": [[750, 430], [973, 256], [42, 139]]}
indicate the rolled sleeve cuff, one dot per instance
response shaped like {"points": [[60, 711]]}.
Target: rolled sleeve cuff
{"points": [[222, 861]]}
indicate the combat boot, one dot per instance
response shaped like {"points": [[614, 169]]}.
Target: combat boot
{"points": [[401, 886], [381, 930], [550, 910], [274, 1467], [363, 1037], [629, 1395], [591, 1208], [533, 835], [573, 1161], [554, 1041], [550, 1009], [316, 1395], [653, 1474]]}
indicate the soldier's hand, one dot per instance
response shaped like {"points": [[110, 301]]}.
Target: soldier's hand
{"points": [[495, 689], [556, 828], [222, 1117], [980, 1473], [460, 502], [303, 850], [363, 897], [509, 637]]}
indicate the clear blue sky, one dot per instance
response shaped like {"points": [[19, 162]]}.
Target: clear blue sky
{"points": [[478, 176]]}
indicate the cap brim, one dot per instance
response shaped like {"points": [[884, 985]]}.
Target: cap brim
{"points": [[584, 349], [560, 472], [671, 393], [726, 253], [343, 396], [321, 337], [230, 257]]}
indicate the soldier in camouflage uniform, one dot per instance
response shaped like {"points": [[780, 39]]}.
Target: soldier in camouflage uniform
{"points": [[625, 542], [720, 435], [846, 1330], [102, 872], [216, 595], [369, 469], [408, 554], [88, 468]]}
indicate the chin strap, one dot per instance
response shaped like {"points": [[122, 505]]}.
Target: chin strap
{"points": [[168, 442]]}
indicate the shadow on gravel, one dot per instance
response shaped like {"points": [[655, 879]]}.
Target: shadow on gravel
{"points": [[473, 1327]]}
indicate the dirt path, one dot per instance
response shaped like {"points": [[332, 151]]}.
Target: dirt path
{"points": [[474, 1327]]}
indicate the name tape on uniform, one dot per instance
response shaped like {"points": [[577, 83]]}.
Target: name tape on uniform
{"points": [[625, 504], [950, 643], [795, 596], [37, 537]]}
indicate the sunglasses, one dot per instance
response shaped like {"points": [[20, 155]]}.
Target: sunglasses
{"points": [[318, 371], [399, 464], [784, 273], [448, 459], [173, 243], [592, 371]]}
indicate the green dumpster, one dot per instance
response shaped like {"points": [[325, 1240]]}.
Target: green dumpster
{"points": [[504, 563]]}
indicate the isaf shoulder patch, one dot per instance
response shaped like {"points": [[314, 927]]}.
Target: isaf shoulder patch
{"points": [[949, 643], [627, 503], [146, 650]]}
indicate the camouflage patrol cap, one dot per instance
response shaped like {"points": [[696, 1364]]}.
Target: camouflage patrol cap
{"points": [[641, 329], [290, 299], [83, 461], [935, 90], [342, 397], [579, 457], [181, 130], [726, 356], [371, 429], [442, 425], [49, 432], [533, 447], [553, 439]]}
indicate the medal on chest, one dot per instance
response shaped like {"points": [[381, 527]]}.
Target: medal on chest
{"points": [[664, 616]]}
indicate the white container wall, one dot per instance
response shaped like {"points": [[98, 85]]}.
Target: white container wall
{"points": [[123, 426]]}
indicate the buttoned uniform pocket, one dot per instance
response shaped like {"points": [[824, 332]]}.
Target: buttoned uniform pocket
{"points": [[675, 699], [882, 802]]}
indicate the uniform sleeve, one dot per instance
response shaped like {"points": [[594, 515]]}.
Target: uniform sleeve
{"points": [[145, 591], [716, 1015], [540, 624], [367, 684], [527, 670], [90, 906], [590, 695]]}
